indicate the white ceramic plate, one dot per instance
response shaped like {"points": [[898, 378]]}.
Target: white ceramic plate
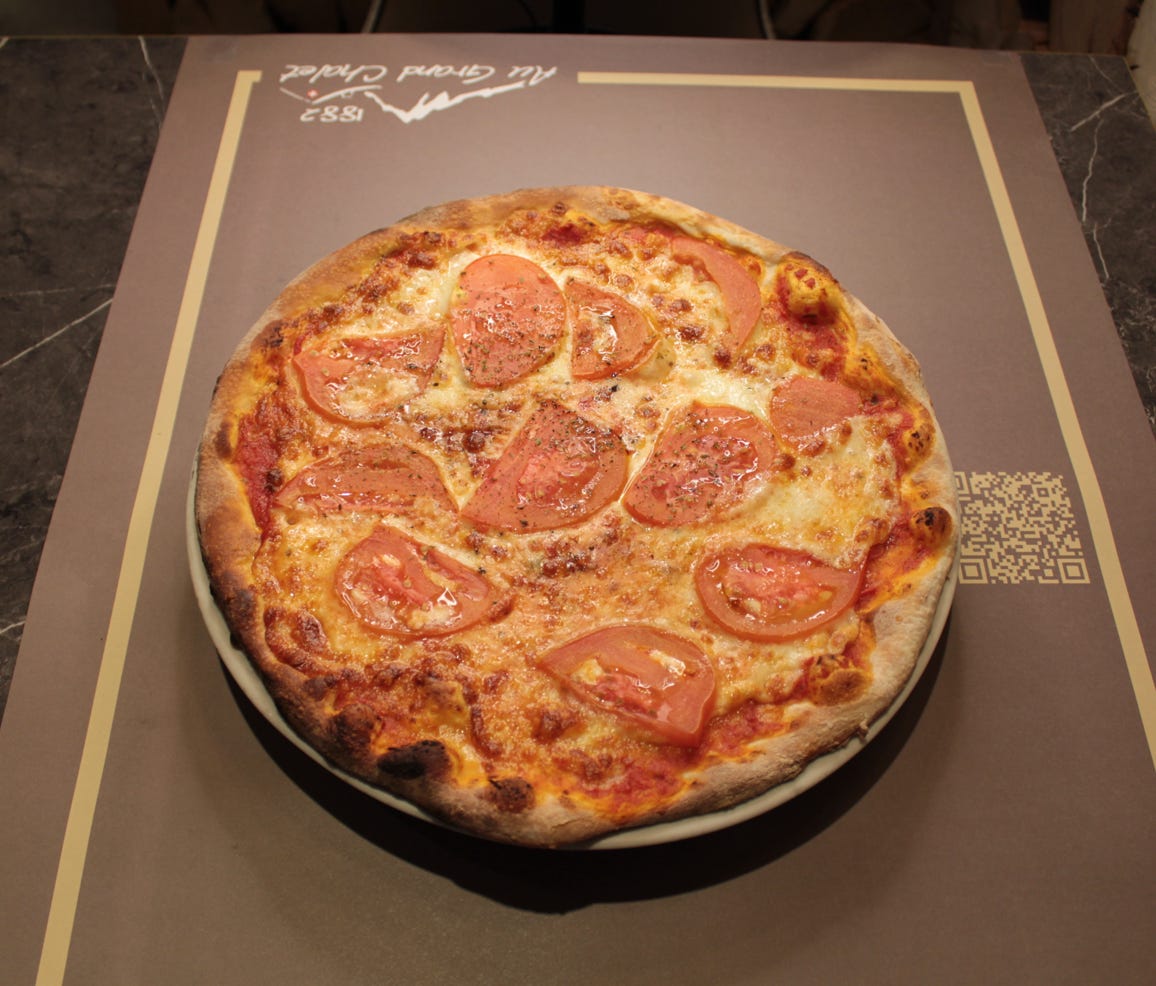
{"points": [[248, 680]]}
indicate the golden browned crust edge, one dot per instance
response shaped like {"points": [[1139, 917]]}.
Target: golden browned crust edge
{"points": [[229, 537]]}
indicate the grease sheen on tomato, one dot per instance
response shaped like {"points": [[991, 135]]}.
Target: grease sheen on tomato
{"points": [[557, 471], [508, 318], [387, 478], [706, 461], [397, 585], [804, 408], [763, 592], [361, 379], [653, 678], [742, 299], [610, 335]]}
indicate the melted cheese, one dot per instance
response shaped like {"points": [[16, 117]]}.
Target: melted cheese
{"points": [[608, 569]]}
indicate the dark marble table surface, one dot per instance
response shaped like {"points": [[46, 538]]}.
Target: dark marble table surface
{"points": [[80, 122]]}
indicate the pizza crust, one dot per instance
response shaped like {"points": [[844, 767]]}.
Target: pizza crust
{"points": [[428, 771]]}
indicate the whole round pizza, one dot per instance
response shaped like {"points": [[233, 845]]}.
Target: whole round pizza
{"points": [[573, 510]]}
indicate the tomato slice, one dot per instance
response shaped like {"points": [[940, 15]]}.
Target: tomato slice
{"points": [[360, 379], [804, 408], [762, 592], [609, 334], [394, 584], [256, 456], [387, 478], [558, 470], [705, 463], [653, 678], [508, 319], [742, 298]]}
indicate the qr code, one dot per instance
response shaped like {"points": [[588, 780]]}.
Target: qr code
{"points": [[1018, 527]]}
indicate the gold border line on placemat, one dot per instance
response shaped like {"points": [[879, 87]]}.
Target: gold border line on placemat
{"points": [[70, 869], [1104, 542]]}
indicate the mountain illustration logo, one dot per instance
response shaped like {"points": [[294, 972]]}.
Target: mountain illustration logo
{"points": [[342, 93]]}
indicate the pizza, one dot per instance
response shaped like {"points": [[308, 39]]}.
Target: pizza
{"points": [[573, 510]]}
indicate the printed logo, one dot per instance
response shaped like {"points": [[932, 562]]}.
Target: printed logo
{"points": [[344, 93]]}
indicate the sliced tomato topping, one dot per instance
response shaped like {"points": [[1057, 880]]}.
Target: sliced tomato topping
{"points": [[742, 299], [609, 334], [508, 318], [558, 470], [704, 464], [655, 679], [396, 585], [387, 478], [361, 379], [804, 408], [761, 592], [257, 454]]}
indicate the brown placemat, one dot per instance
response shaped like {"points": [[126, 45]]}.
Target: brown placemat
{"points": [[159, 831]]}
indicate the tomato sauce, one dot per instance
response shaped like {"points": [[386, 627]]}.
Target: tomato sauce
{"points": [[887, 563], [256, 456]]}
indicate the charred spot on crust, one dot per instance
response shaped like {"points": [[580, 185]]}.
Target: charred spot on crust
{"points": [[235, 598], [931, 525], [426, 758], [223, 442], [353, 726], [918, 441], [511, 794], [275, 334], [318, 688]]}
